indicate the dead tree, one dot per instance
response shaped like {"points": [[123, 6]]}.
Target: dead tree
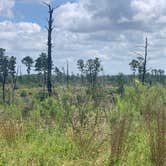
{"points": [[67, 74], [141, 62], [49, 43], [145, 61]]}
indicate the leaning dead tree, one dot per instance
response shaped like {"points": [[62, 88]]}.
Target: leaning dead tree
{"points": [[49, 43]]}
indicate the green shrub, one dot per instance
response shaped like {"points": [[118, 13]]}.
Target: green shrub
{"points": [[23, 93]]}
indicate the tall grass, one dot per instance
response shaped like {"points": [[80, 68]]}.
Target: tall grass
{"points": [[156, 126], [10, 130], [119, 133], [76, 129]]}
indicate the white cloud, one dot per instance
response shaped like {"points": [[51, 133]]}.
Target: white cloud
{"points": [[6, 8], [107, 29], [123, 20], [148, 6], [161, 20], [77, 17], [22, 39], [148, 9]]}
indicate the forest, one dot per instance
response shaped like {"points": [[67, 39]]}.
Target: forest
{"points": [[50, 116]]}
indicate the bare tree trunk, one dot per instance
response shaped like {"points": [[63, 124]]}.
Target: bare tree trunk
{"points": [[82, 82], [44, 81], [67, 75], [3, 88], [145, 62], [49, 43], [12, 87]]}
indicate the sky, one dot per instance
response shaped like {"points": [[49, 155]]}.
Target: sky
{"points": [[112, 30]]}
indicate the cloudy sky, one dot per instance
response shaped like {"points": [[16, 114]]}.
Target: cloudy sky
{"points": [[109, 29]]}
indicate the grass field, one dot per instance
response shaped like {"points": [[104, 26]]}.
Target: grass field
{"points": [[73, 128]]}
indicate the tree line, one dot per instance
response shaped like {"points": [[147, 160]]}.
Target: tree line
{"points": [[89, 70]]}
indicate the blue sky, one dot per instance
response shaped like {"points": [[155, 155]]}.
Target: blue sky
{"points": [[33, 12], [108, 29]]}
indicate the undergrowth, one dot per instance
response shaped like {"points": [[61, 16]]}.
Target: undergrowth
{"points": [[75, 128]]}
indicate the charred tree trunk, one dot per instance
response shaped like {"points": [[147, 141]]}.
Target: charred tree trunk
{"points": [[12, 87], [145, 62], [44, 81], [49, 43], [67, 75], [14, 84], [3, 88]]}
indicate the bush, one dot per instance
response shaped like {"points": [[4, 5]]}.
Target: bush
{"points": [[23, 93], [41, 95]]}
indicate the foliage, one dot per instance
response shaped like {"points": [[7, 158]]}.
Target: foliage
{"points": [[28, 62], [41, 63], [71, 128]]}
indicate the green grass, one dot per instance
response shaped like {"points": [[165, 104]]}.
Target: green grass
{"points": [[76, 129]]}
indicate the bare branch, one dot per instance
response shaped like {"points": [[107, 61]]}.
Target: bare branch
{"points": [[45, 3], [140, 46], [137, 53]]}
